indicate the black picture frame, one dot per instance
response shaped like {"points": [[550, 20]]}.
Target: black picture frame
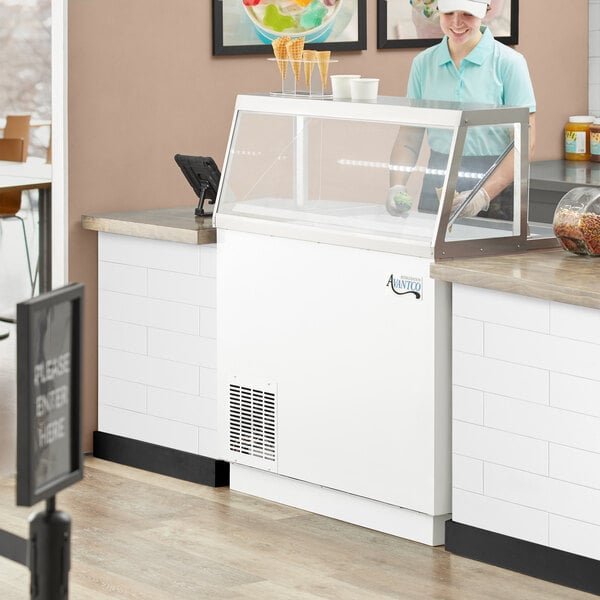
{"points": [[221, 9], [49, 416], [505, 15]]}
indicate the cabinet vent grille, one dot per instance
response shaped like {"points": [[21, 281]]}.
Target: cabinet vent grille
{"points": [[252, 421]]}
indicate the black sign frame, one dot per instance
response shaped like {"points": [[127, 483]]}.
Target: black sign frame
{"points": [[65, 301]]}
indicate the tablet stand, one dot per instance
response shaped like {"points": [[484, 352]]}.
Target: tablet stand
{"points": [[199, 211]]}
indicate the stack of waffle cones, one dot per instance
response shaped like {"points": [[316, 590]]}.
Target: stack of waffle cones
{"points": [[323, 58], [294, 52], [309, 57], [280, 49]]}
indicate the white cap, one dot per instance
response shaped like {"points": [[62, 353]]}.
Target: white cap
{"points": [[477, 8]]}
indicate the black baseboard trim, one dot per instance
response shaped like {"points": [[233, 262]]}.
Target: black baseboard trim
{"points": [[556, 566], [158, 459]]}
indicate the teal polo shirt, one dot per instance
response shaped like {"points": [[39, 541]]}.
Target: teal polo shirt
{"points": [[492, 73]]}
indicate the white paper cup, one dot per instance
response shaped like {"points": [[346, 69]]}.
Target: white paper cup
{"points": [[340, 85], [365, 88]]}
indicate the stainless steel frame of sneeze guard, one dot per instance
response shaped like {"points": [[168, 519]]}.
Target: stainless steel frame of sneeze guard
{"points": [[390, 112], [517, 242]]}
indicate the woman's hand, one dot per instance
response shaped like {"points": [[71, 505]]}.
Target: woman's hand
{"points": [[480, 201], [398, 201]]}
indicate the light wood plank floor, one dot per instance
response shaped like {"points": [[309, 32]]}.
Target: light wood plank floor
{"points": [[138, 535]]}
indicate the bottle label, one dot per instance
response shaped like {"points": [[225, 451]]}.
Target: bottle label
{"points": [[595, 143], [575, 142]]}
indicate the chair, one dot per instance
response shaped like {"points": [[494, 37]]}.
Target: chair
{"points": [[10, 201], [18, 126]]}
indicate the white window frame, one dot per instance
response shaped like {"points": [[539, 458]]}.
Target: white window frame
{"points": [[60, 204]]}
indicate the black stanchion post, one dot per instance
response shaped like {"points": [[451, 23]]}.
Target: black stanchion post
{"points": [[50, 553]]}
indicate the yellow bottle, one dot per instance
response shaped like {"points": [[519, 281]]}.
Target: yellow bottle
{"points": [[577, 138]]}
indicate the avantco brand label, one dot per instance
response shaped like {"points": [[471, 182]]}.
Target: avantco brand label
{"points": [[406, 284]]}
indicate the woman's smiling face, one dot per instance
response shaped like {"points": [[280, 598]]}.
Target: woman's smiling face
{"points": [[462, 28]]}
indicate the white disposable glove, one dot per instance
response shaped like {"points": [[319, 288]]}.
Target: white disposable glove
{"points": [[398, 201], [480, 201]]}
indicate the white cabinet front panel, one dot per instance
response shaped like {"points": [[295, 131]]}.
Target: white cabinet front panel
{"points": [[360, 372]]}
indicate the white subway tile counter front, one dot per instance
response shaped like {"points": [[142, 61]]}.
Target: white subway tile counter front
{"points": [[526, 413], [157, 342]]}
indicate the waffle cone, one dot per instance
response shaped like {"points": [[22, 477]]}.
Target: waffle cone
{"points": [[323, 58], [294, 52], [309, 58], [280, 50]]}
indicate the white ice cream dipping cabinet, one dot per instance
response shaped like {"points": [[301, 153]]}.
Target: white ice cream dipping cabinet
{"points": [[333, 340]]}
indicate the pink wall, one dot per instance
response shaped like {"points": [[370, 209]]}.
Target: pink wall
{"points": [[143, 85]]}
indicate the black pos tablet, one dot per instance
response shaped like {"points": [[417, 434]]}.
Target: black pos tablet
{"points": [[203, 175]]}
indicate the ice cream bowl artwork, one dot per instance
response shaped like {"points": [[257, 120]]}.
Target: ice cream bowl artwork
{"points": [[365, 88], [312, 19], [340, 85]]}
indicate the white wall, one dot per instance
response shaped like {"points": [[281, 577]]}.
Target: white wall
{"points": [[594, 84]]}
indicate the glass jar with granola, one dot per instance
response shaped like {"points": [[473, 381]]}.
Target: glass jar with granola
{"points": [[577, 221]]}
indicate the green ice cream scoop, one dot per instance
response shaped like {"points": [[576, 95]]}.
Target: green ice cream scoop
{"points": [[398, 201]]}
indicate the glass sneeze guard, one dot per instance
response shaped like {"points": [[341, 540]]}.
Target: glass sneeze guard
{"points": [[321, 170]]}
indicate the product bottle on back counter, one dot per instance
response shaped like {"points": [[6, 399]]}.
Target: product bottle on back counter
{"points": [[577, 138], [595, 141]]}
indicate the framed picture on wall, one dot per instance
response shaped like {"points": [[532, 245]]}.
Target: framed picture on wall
{"points": [[416, 24], [249, 26]]}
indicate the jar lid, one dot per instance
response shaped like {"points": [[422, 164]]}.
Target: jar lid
{"points": [[581, 119]]}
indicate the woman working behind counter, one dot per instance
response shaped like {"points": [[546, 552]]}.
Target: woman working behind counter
{"points": [[468, 65]]}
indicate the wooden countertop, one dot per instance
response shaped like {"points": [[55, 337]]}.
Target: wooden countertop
{"points": [[170, 224], [547, 274], [552, 274]]}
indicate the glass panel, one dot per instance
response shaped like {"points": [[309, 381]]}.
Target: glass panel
{"points": [[260, 160], [538, 231], [325, 172], [488, 162]]}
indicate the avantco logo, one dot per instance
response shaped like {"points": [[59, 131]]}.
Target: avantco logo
{"points": [[406, 284]]}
